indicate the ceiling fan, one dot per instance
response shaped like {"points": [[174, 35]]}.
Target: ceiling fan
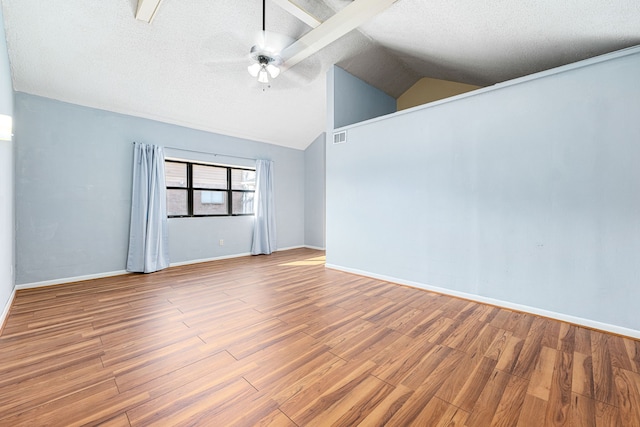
{"points": [[273, 53], [267, 60], [227, 53]]}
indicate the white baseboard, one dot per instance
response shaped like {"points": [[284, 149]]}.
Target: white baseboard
{"points": [[196, 261], [70, 279], [289, 248], [218, 258], [300, 247], [118, 273], [121, 272], [593, 324], [7, 307]]}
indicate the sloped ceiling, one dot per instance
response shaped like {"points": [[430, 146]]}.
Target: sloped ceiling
{"points": [[188, 66]]}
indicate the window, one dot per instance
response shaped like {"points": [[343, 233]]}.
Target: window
{"points": [[195, 189]]}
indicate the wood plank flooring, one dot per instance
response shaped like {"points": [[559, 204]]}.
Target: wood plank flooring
{"points": [[281, 341]]}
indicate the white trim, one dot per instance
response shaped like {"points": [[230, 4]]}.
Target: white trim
{"points": [[70, 279], [290, 248], [217, 258], [176, 264], [539, 75], [122, 272], [593, 324], [7, 307], [317, 248]]}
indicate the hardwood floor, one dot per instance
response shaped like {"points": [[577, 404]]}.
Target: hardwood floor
{"points": [[281, 341]]}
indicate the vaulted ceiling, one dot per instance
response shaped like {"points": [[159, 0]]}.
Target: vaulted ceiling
{"points": [[188, 66]]}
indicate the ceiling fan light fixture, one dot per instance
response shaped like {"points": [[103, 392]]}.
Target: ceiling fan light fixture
{"points": [[254, 69], [263, 77], [266, 65], [273, 71], [266, 61]]}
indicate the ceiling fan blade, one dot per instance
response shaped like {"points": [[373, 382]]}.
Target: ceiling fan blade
{"points": [[223, 47], [230, 67], [301, 75], [272, 41]]}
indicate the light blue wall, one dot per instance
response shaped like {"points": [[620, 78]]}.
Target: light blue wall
{"points": [[314, 193], [527, 193], [73, 185], [355, 101], [6, 179], [349, 100]]}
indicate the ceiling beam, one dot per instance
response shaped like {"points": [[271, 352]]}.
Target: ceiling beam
{"points": [[298, 12], [147, 9], [349, 18]]}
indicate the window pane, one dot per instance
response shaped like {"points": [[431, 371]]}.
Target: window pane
{"points": [[243, 179], [209, 177], [209, 202], [177, 202], [242, 202], [175, 174]]}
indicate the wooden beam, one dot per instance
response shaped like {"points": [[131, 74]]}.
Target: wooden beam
{"points": [[349, 18], [147, 9], [298, 12]]}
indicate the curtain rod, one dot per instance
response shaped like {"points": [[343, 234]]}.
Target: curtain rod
{"points": [[210, 153]]}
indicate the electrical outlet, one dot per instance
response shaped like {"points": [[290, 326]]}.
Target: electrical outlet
{"points": [[221, 242]]}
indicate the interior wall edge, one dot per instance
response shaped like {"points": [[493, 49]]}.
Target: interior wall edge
{"points": [[579, 321]]}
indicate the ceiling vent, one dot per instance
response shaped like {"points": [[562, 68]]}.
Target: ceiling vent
{"points": [[340, 137]]}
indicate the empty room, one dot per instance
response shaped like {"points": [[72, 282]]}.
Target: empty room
{"points": [[320, 213]]}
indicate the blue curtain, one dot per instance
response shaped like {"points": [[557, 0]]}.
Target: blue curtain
{"points": [[148, 234], [264, 230]]}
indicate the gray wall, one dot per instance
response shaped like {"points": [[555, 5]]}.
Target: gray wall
{"points": [[527, 193], [314, 193], [355, 101], [73, 186], [6, 179]]}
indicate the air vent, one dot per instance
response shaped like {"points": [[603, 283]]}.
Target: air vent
{"points": [[340, 137]]}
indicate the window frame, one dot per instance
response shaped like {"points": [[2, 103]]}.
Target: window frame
{"points": [[190, 189]]}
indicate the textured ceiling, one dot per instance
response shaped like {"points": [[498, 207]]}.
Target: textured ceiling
{"points": [[188, 66]]}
